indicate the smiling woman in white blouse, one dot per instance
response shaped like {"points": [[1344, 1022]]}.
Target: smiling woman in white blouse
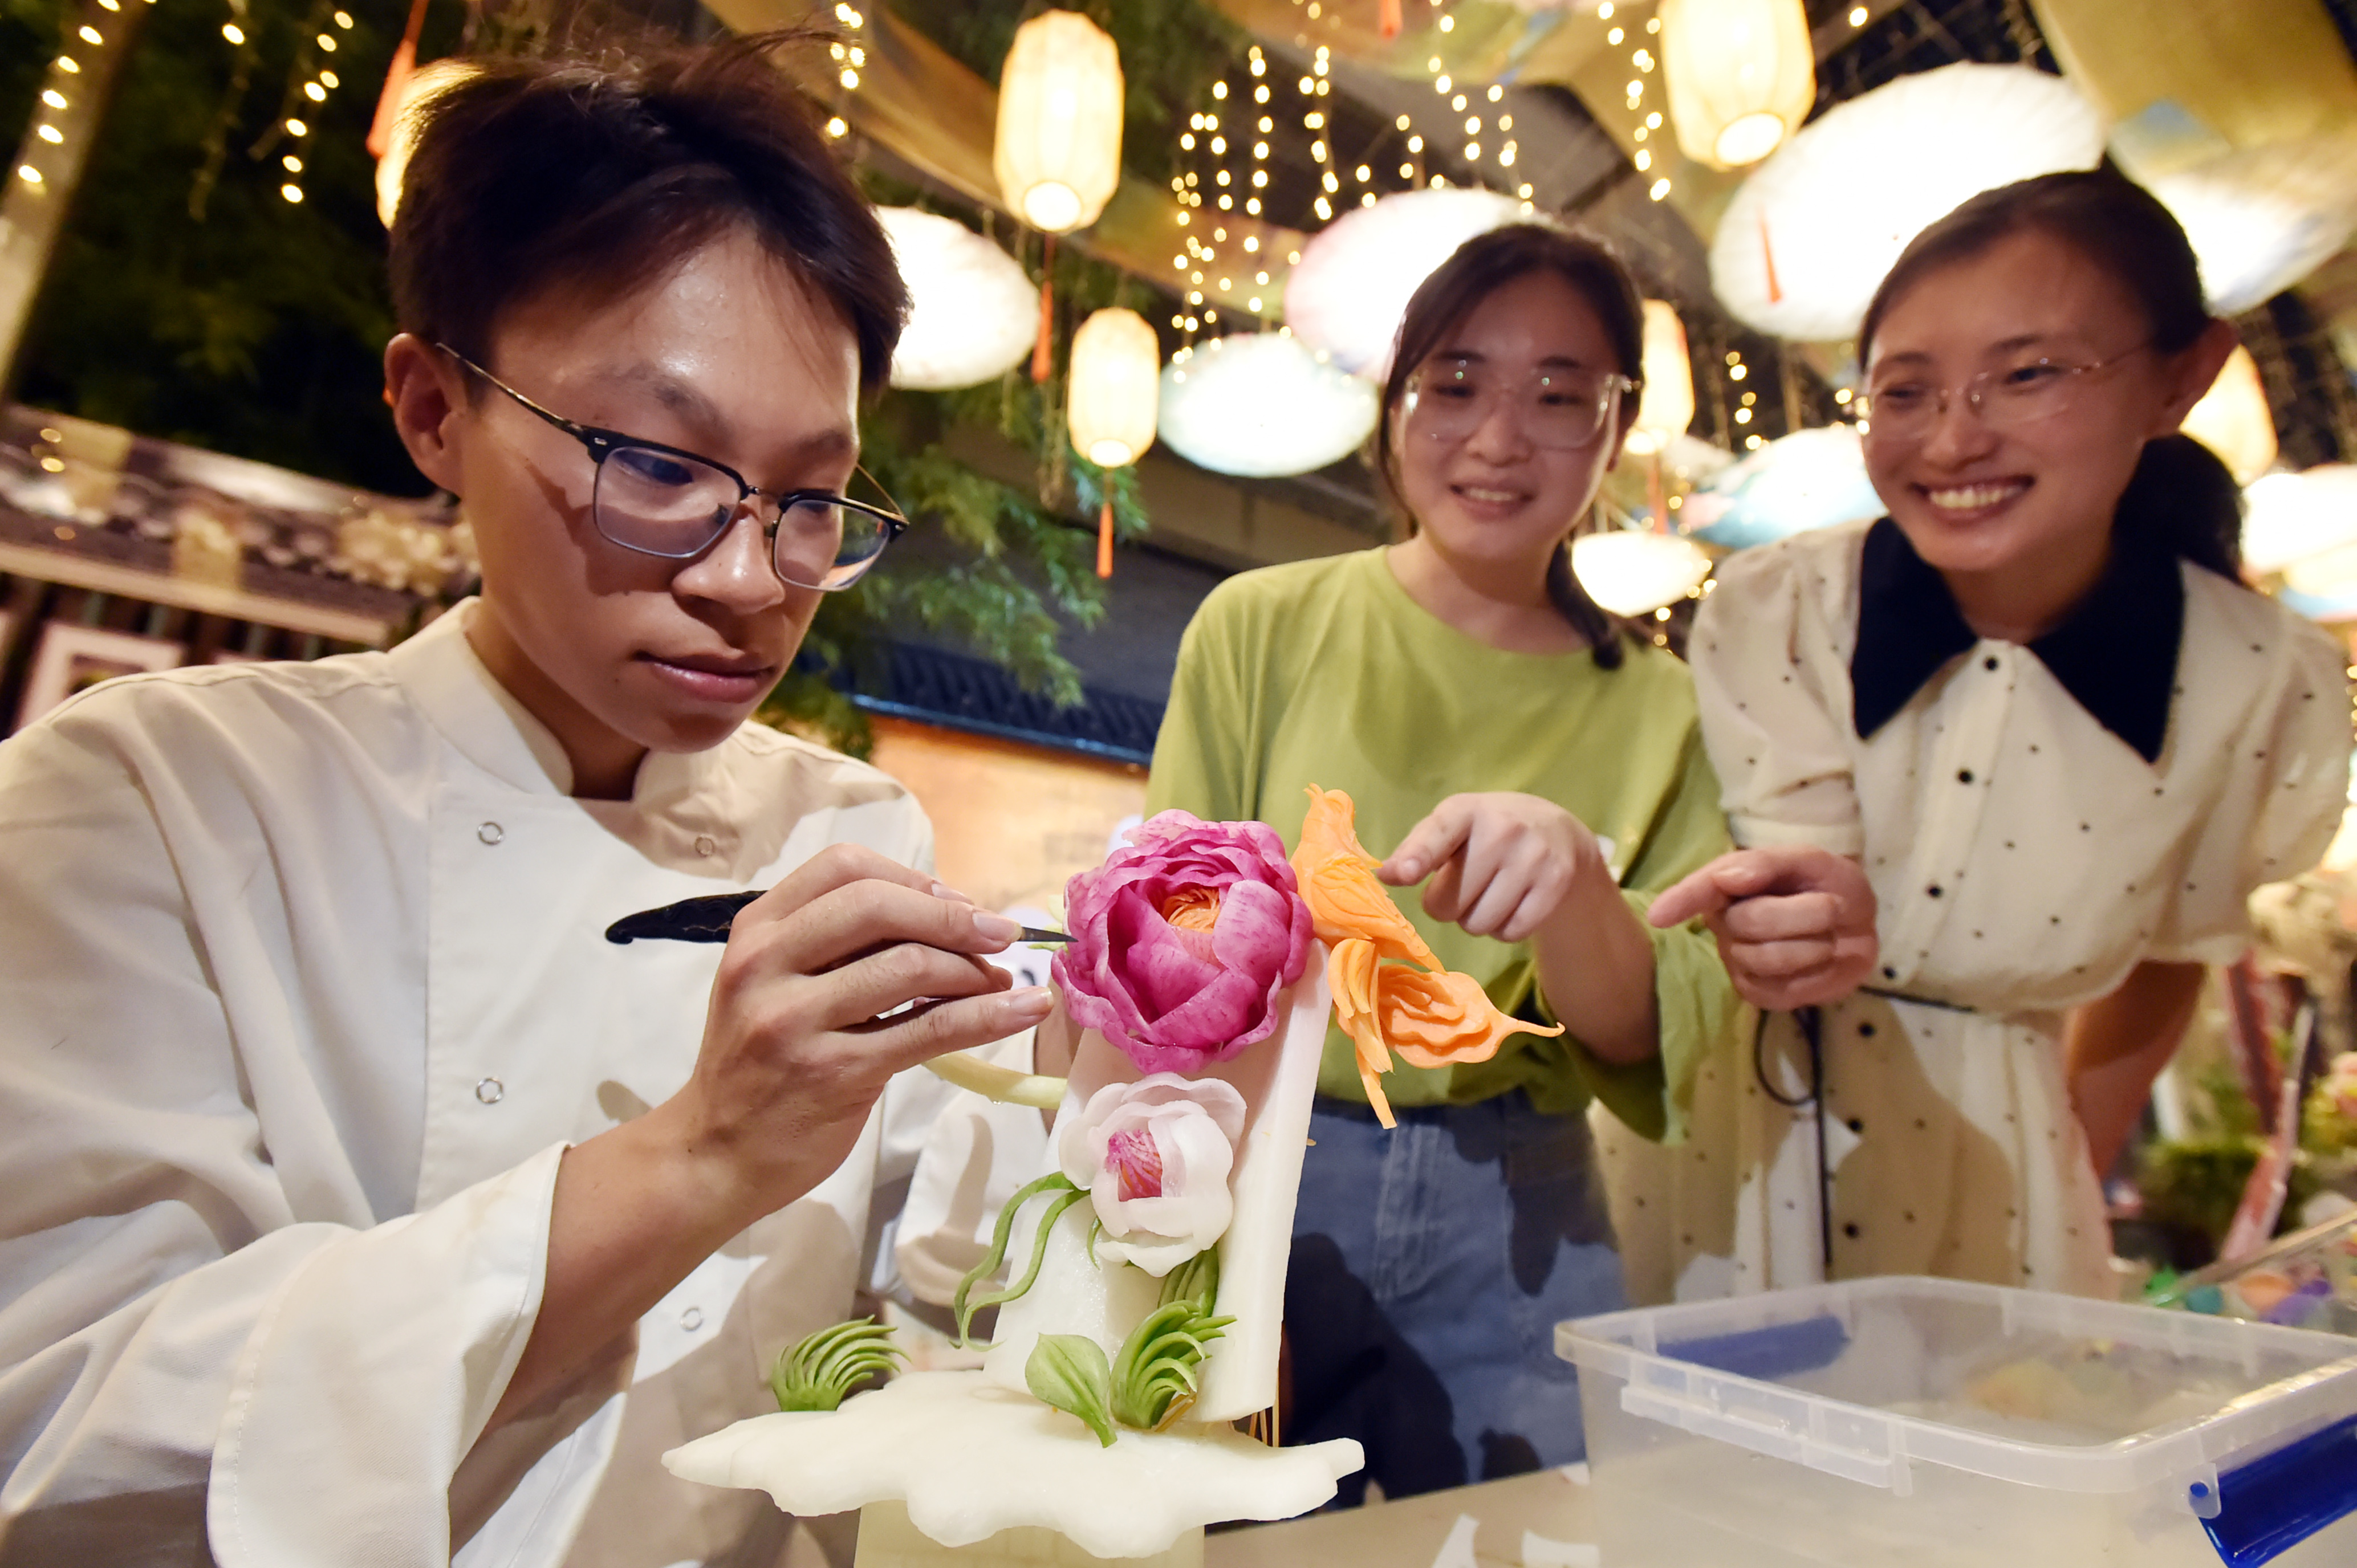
{"points": [[2004, 766]]}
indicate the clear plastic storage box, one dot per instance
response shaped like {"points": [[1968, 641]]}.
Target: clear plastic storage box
{"points": [[1931, 1423]]}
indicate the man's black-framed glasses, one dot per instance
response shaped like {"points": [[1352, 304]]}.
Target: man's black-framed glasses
{"points": [[663, 500]]}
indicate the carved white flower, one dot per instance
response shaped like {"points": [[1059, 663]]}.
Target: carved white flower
{"points": [[1154, 1156]]}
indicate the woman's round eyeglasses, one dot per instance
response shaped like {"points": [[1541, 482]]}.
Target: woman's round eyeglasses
{"points": [[1560, 408], [663, 500], [1904, 405]]}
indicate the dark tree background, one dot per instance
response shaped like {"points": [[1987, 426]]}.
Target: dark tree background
{"points": [[228, 318]]}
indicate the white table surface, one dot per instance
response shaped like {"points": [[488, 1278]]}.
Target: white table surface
{"points": [[1409, 1532]]}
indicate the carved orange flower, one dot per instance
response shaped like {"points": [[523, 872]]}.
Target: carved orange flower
{"points": [[1337, 879], [1431, 1017]]}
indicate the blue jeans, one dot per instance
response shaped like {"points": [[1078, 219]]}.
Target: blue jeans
{"points": [[1430, 1266]]}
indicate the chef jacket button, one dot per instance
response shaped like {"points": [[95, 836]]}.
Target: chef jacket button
{"points": [[490, 1091], [692, 1319], [703, 845], [491, 832]]}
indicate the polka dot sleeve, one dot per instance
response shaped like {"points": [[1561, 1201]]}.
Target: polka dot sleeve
{"points": [[2284, 793], [1774, 720]]}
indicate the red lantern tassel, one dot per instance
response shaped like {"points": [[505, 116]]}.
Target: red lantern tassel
{"points": [[396, 77], [1387, 18], [1105, 539], [1043, 351], [1767, 254]]}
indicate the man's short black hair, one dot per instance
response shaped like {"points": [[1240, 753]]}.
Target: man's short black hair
{"points": [[599, 173]]}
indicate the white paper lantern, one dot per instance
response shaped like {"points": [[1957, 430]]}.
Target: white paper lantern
{"points": [[1116, 375], [1810, 234], [1810, 478], [973, 313], [1634, 573], [2293, 518], [2233, 419], [1347, 294], [1058, 154], [2324, 586], [1741, 76], [1668, 404], [1259, 404], [2262, 219]]}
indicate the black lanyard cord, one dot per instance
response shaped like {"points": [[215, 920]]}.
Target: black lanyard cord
{"points": [[1812, 1032]]}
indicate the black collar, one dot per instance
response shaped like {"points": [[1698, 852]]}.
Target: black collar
{"points": [[2117, 652]]}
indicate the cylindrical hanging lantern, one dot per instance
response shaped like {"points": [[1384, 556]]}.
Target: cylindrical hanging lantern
{"points": [[2233, 419], [1740, 74], [1668, 404], [1057, 156], [1115, 388]]}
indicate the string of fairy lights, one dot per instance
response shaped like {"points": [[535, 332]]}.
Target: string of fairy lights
{"points": [[55, 119], [850, 54], [306, 88]]}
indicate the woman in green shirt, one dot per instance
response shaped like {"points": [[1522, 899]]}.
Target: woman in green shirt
{"points": [[1542, 775]]}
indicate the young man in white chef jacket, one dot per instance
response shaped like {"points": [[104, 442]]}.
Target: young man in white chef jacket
{"points": [[358, 1201]]}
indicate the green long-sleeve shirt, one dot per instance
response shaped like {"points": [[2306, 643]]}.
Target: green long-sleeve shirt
{"points": [[1326, 672]]}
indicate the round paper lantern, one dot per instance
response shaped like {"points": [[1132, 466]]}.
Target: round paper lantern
{"points": [[1813, 231], [1347, 294], [2324, 586], [1058, 155], [1633, 573], [1260, 404], [2234, 420], [2262, 219], [401, 140], [1810, 478], [1741, 76], [1668, 404], [972, 312], [2292, 517], [1116, 373]]}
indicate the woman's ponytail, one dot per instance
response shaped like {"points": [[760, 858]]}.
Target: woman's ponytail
{"points": [[2182, 498], [1571, 602]]}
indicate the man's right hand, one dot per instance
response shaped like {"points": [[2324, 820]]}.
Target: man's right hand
{"points": [[851, 970], [1796, 925], [848, 972]]}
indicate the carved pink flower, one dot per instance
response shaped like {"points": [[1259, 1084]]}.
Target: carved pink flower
{"points": [[1154, 1156], [1185, 936]]}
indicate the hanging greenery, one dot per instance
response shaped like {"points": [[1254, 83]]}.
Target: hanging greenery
{"points": [[1026, 570]]}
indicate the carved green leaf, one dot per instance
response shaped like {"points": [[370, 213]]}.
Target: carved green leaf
{"points": [[1069, 1371], [820, 1372], [963, 1304]]}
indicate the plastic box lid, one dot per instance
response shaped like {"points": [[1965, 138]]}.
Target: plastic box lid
{"points": [[1863, 1377]]}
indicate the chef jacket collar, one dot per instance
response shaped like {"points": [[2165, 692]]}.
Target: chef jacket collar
{"points": [[495, 732], [2115, 652]]}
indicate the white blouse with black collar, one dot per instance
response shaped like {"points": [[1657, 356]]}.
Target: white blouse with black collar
{"points": [[2036, 819]]}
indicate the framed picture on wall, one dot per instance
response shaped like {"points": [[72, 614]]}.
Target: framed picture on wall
{"points": [[73, 658]]}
